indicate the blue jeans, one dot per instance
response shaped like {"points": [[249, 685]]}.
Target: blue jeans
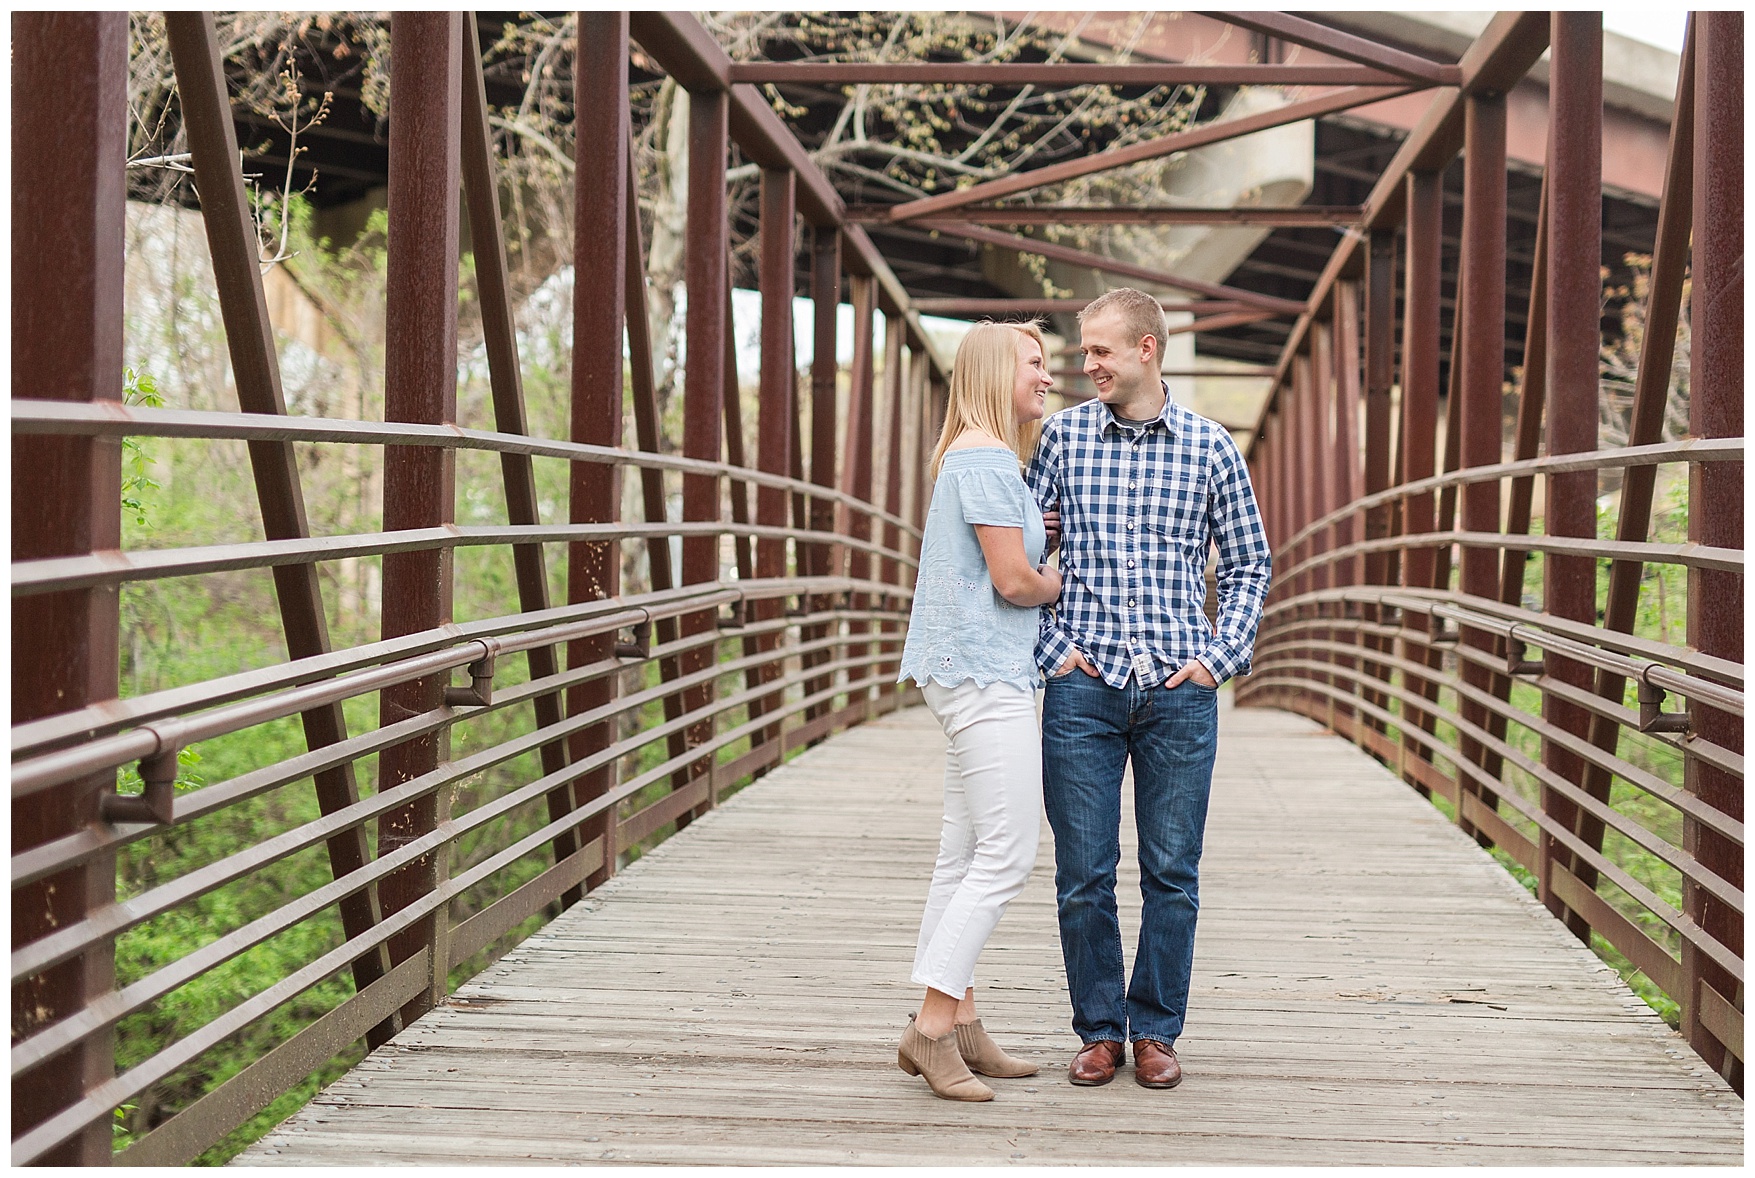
{"points": [[1089, 732]]}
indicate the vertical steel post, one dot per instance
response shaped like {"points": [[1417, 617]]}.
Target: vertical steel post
{"points": [[1347, 381], [856, 474], [825, 293], [600, 243], [69, 127], [1715, 499], [1420, 322], [420, 385], [1480, 412], [1325, 462], [1378, 471], [704, 379], [890, 569], [1575, 246], [778, 382]]}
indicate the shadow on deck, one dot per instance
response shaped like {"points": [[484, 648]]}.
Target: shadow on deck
{"points": [[1369, 988]]}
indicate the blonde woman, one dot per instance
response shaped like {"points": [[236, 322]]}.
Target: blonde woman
{"points": [[971, 643]]}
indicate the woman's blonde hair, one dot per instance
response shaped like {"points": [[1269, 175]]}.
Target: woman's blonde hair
{"points": [[983, 376]]}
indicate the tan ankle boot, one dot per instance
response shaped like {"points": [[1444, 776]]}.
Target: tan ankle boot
{"points": [[939, 1061], [983, 1055]]}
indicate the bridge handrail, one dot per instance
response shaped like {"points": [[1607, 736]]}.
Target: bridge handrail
{"points": [[190, 714], [115, 419], [1687, 450]]}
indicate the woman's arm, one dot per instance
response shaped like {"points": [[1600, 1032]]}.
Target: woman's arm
{"points": [[1010, 569]]}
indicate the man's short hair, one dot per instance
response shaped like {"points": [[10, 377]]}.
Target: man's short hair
{"points": [[1140, 314]]}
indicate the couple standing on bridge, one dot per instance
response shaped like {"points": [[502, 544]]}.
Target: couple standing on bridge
{"points": [[1133, 489]]}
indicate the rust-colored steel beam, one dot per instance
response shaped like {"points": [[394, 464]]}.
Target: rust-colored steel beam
{"points": [[690, 55], [643, 382], [69, 129], [1645, 426], [1051, 307], [1499, 57], [1290, 216], [232, 244], [777, 411], [704, 378], [420, 385], [1348, 400], [1379, 359], [1125, 269], [1323, 459], [825, 293], [1532, 400], [1715, 496], [1419, 416], [856, 470], [1575, 212], [1057, 74], [1158, 148], [600, 242], [890, 569], [506, 385], [1479, 382], [1286, 27]]}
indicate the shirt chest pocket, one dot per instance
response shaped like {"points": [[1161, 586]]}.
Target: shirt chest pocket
{"points": [[1174, 504]]}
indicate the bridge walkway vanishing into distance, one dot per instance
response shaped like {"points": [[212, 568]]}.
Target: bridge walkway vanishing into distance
{"points": [[1369, 988], [1464, 778]]}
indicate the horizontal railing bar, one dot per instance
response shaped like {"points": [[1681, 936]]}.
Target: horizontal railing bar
{"points": [[103, 924], [50, 858], [114, 419], [57, 574], [1687, 928], [1689, 555], [1061, 74], [109, 1008], [1606, 760], [98, 1101], [1625, 717], [1674, 856], [183, 1138], [1688, 450], [99, 719], [1496, 616]]}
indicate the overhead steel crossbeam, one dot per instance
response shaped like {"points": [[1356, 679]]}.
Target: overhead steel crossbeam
{"points": [[1096, 261], [1151, 149], [1293, 216], [1057, 74]]}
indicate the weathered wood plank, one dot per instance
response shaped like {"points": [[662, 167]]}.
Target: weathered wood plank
{"points": [[1370, 988]]}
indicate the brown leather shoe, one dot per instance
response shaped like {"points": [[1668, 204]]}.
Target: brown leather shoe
{"points": [[1096, 1063], [1155, 1065]]}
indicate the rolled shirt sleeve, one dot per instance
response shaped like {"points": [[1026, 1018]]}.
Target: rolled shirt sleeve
{"points": [[1245, 563]]}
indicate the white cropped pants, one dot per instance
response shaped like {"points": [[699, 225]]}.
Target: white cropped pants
{"points": [[993, 807]]}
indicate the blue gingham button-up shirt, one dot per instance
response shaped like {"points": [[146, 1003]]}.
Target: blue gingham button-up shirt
{"points": [[1140, 507]]}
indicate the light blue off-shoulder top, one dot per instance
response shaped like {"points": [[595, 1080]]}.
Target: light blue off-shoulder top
{"points": [[960, 627]]}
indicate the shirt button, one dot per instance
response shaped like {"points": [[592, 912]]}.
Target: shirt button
{"points": [[1133, 486], [1130, 603], [1130, 564]]}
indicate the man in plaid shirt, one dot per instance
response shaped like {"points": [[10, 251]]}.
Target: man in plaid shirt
{"points": [[1143, 488]]}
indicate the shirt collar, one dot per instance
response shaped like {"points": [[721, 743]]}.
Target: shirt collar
{"points": [[1164, 418]]}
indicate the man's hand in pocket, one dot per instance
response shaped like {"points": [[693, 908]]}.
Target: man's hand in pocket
{"points": [[1078, 660], [1196, 670]]}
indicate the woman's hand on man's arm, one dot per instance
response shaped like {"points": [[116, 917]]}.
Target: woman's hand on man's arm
{"points": [[1013, 577]]}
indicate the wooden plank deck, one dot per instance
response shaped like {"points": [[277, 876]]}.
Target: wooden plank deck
{"points": [[1369, 988]]}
